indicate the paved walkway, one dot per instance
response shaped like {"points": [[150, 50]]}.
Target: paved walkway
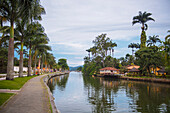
{"points": [[33, 98]]}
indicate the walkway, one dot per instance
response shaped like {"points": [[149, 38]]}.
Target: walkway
{"points": [[33, 98]]}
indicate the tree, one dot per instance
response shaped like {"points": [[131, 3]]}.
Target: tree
{"points": [[132, 45], [103, 43], [88, 50], [112, 47], [11, 10], [63, 63], [148, 58], [21, 34], [35, 31], [166, 52], [142, 18], [153, 40], [79, 68]]}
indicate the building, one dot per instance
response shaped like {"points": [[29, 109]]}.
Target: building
{"points": [[129, 67], [109, 71]]}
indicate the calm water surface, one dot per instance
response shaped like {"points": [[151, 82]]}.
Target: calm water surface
{"points": [[75, 93]]}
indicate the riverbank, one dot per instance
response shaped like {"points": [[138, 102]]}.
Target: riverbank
{"points": [[51, 98], [147, 79], [155, 80]]}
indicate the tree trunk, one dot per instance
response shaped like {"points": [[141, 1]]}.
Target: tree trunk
{"points": [[21, 60], [106, 52], [46, 68], [41, 66], [113, 53], [35, 62], [39, 62], [29, 63], [10, 66], [132, 51], [143, 37]]}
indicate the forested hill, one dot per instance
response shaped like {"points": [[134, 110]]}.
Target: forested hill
{"points": [[74, 68]]}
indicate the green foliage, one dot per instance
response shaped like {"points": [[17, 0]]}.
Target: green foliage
{"points": [[79, 68], [143, 39], [63, 63], [142, 18], [4, 97], [3, 59], [17, 83], [149, 58], [100, 59]]}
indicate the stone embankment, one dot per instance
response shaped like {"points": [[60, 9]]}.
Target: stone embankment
{"points": [[155, 80], [46, 79]]}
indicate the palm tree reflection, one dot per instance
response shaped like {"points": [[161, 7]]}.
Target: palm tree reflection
{"points": [[59, 81]]}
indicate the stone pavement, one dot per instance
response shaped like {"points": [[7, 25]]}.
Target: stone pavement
{"points": [[33, 98]]}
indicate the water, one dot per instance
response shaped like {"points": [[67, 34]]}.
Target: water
{"points": [[75, 93]]}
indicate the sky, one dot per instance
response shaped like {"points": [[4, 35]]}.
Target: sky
{"points": [[72, 25]]}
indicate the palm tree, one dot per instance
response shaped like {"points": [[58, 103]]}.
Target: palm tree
{"points": [[112, 47], [132, 45], [21, 34], [142, 18], [167, 51], [153, 40], [35, 31], [137, 45], [42, 51], [11, 10]]}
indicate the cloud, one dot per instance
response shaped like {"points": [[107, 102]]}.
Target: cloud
{"points": [[71, 25]]}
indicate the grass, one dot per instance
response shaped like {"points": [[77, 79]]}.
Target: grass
{"points": [[17, 83], [4, 97]]}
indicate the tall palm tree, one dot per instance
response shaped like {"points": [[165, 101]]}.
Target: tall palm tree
{"points": [[21, 34], [142, 18], [167, 51], [11, 10], [112, 47], [132, 45], [42, 51], [153, 40], [35, 31]]}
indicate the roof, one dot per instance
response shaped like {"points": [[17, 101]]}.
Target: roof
{"points": [[161, 70], [109, 68], [131, 67], [134, 70]]}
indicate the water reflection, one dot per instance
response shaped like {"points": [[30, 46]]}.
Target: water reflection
{"points": [[107, 95], [59, 81], [75, 93]]}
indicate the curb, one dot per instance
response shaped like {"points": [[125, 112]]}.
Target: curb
{"points": [[54, 108]]}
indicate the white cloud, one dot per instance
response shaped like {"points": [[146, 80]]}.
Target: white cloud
{"points": [[71, 25]]}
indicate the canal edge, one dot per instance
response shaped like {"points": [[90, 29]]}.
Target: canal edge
{"points": [[45, 81], [51, 98]]}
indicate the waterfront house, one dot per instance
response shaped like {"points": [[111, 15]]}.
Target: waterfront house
{"points": [[109, 71], [129, 67]]}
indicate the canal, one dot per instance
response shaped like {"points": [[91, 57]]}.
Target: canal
{"points": [[75, 93]]}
